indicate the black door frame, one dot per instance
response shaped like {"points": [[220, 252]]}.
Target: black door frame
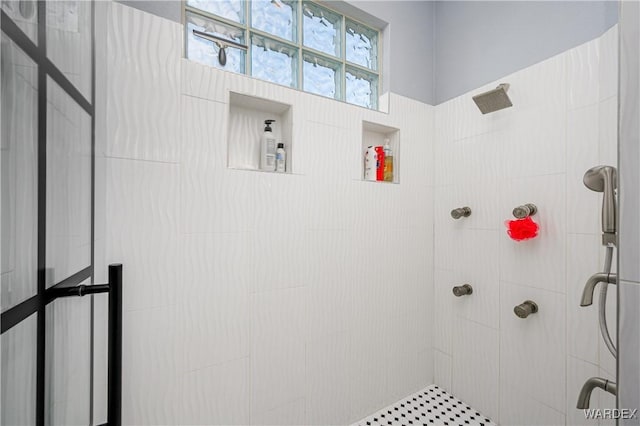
{"points": [[37, 52]]}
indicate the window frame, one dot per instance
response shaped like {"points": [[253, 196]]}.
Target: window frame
{"points": [[298, 45]]}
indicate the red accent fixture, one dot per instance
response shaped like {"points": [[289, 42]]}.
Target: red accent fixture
{"points": [[522, 229], [380, 164]]}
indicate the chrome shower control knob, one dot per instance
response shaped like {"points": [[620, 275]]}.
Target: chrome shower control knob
{"points": [[461, 212], [525, 210], [525, 309], [462, 290]]}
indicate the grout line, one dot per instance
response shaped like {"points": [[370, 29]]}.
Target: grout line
{"points": [[217, 364], [113, 157], [534, 287], [189, 95]]}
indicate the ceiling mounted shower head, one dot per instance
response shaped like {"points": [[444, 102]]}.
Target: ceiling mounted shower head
{"points": [[493, 100]]}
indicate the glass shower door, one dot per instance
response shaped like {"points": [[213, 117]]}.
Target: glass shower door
{"points": [[18, 265], [47, 211]]}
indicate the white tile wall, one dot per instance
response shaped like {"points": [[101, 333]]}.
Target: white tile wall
{"points": [[475, 366], [563, 122], [327, 383], [216, 395], [578, 372], [152, 363], [539, 262], [533, 350], [142, 228], [291, 413], [442, 370], [583, 335], [517, 408], [278, 347], [143, 54], [317, 298], [215, 325]]}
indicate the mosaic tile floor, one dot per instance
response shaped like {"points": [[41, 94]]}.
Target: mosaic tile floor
{"points": [[430, 406]]}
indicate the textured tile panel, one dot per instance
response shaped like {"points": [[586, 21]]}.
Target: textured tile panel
{"points": [[143, 103], [442, 370], [475, 365], [216, 395], [142, 230], [533, 349], [516, 408]]}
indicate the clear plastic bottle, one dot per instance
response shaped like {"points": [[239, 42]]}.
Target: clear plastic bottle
{"points": [[281, 159], [388, 162]]}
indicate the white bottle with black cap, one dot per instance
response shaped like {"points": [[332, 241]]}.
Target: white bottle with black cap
{"points": [[268, 148], [281, 158]]}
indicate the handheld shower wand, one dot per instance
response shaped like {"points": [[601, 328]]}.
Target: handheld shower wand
{"points": [[604, 179]]}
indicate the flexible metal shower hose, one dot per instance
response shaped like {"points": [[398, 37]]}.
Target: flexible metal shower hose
{"points": [[602, 304]]}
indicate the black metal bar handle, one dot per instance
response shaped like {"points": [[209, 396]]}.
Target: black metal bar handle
{"points": [[114, 413], [78, 290]]}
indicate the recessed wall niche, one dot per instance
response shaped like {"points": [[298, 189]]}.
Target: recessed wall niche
{"points": [[246, 126], [374, 134]]}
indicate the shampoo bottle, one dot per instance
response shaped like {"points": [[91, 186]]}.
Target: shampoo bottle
{"points": [[379, 163], [268, 148], [370, 161], [281, 158], [388, 162]]}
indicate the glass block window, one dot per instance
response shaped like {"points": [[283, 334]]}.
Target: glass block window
{"points": [[295, 43], [277, 17], [274, 61], [322, 29], [321, 76]]}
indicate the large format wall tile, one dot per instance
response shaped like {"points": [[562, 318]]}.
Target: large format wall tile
{"points": [[578, 372], [215, 326], [475, 367], [151, 365], [144, 64], [442, 311], [278, 363], [608, 64], [142, 230], [517, 408], [533, 349], [583, 205], [328, 391], [539, 262], [583, 335], [583, 74], [478, 268], [442, 370], [216, 395]]}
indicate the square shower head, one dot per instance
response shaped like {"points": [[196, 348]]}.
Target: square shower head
{"points": [[493, 100]]}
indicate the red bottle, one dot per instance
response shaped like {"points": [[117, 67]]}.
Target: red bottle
{"points": [[380, 163]]}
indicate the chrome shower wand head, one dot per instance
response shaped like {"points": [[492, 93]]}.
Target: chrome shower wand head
{"points": [[604, 179], [493, 100]]}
